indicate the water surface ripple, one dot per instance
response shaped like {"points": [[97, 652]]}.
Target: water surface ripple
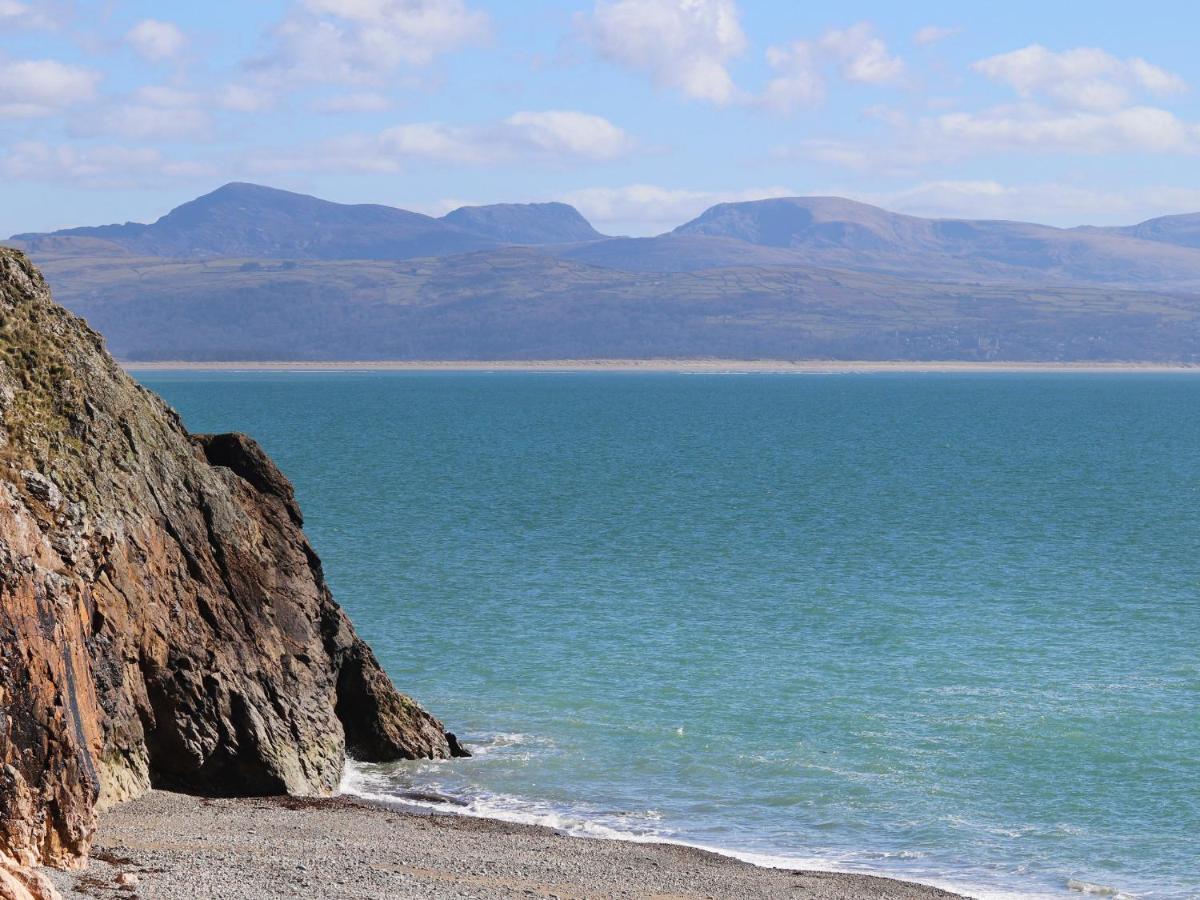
{"points": [[941, 626]]}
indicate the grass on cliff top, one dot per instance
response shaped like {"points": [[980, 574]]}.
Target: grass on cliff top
{"points": [[38, 418]]}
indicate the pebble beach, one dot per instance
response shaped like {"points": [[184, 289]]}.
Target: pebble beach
{"points": [[167, 845]]}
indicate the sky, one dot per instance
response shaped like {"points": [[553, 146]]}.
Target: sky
{"points": [[642, 113]]}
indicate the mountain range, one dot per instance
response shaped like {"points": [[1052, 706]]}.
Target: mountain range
{"points": [[252, 272], [247, 220]]}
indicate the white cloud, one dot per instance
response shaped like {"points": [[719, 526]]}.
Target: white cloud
{"points": [[1054, 203], [1037, 129], [1083, 78], [42, 87], [553, 136], [557, 134], [1007, 129], [22, 15], [156, 40], [1078, 102], [686, 45], [165, 112], [648, 208], [154, 112], [862, 55], [96, 167], [932, 34], [240, 98], [144, 122], [689, 45], [858, 53], [846, 154], [563, 133], [363, 41], [1074, 101], [431, 141], [901, 154], [798, 79]]}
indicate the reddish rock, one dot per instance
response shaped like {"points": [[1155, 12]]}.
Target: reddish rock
{"points": [[163, 619]]}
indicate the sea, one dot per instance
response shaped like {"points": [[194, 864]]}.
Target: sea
{"points": [[942, 627]]}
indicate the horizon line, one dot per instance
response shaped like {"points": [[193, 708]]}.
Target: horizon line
{"points": [[714, 366]]}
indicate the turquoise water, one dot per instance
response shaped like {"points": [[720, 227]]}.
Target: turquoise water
{"points": [[945, 627]]}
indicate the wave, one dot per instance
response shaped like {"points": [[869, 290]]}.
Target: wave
{"points": [[380, 786], [358, 782], [492, 742], [1097, 890]]}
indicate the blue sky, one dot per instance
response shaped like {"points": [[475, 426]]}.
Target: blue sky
{"points": [[640, 112]]}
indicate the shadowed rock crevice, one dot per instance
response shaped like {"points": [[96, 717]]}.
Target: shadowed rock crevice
{"points": [[246, 459], [369, 713], [163, 618]]}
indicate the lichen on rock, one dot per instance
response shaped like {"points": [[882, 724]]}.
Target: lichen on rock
{"points": [[163, 618]]}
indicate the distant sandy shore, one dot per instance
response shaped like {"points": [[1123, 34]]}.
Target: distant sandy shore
{"points": [[166, 846], [711, 366]]}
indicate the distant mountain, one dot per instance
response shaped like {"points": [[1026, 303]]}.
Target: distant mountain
{"points": [[525, 223], [251, 272], [1183, 231], [830, 231], [808, 221], [248, 221]]}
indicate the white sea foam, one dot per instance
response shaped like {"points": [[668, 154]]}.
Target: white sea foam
{"points": [[358, 781], [488, 744], [1097, 890]]}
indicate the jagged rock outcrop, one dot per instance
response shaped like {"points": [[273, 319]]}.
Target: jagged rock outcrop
{"points": [[163, 619]]}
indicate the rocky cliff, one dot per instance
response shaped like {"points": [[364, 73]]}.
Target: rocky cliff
{"points": [[163, 619]]}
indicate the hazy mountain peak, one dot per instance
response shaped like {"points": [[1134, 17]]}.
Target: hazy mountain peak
{"points": [[242, 220], [525, 223], [245, 220], [1181, 230], [792, 221], [241, 199]]}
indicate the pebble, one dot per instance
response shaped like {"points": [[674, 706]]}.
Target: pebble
{"points": [[343, 849]]}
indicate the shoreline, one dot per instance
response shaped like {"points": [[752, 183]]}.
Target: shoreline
{"points": [[679, 366], [421, 805], [175, 845]]}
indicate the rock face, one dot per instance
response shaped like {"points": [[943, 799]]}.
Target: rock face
{"points": [[163, 619]]}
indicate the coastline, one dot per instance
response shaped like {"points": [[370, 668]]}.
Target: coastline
{"points": [[678, 366], [167, 845]]}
